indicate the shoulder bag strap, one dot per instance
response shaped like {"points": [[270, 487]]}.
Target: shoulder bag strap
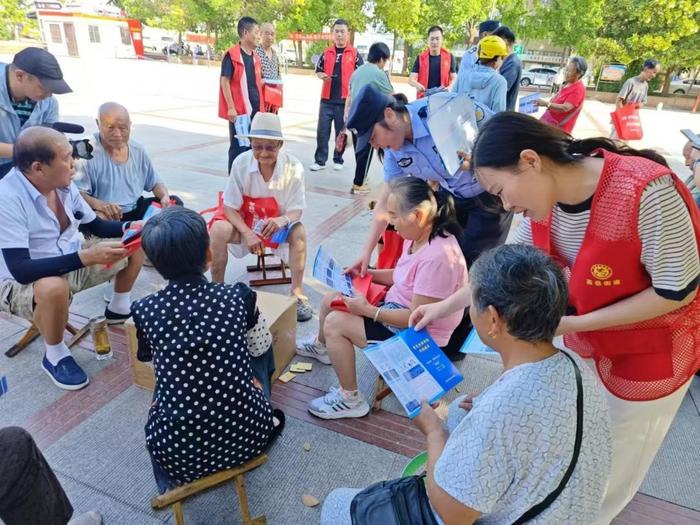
{"points": [[540, 507]]}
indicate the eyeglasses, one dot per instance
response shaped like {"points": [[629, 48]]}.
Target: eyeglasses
{"points": [[269, 148]]}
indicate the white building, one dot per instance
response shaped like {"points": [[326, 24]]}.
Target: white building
{"points": [[93, 30]]}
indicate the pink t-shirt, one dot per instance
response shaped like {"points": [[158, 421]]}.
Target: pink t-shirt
{"points": [[436, 270]]}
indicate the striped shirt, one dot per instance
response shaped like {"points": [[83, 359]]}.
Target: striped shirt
{"points": [[669, 248], [23, 109]]}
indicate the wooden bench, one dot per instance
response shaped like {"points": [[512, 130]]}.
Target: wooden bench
{"points": [[175, 496]]}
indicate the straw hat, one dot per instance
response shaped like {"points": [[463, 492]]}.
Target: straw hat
{"points": [[264, 126]]}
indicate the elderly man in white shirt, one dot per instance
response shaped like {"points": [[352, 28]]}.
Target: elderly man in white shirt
{"points": [[262, 175], [44, 259]]}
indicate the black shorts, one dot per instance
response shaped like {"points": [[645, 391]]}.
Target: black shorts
{"points": [[376, 331]]}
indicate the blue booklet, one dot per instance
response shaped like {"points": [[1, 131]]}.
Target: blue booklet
{"points": [[414, 367], [474, 345]]}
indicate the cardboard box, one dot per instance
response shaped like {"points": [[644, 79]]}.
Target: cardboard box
{"points": [[281, 314]]}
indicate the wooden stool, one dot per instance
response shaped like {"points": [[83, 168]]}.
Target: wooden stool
{"points": [[175, 496], [33, 332], [262, 267], [381, 390]]}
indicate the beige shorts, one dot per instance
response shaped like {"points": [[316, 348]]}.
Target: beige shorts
{"points": [[18, 299]]}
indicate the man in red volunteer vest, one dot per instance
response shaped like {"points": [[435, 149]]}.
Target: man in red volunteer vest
{"points": [[240, 86], [335, 67], [434, 67]]}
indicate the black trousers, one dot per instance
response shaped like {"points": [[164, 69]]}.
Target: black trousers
{"points": [[485, 224], [234, 148], [362, 162], [328, 113], [29, 490], [142, 205], [5, 169]]}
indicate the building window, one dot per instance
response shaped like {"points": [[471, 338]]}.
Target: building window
{"points": [[126, 35], [94, 34], [55, 30]]}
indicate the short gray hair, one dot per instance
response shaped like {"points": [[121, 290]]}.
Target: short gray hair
{"points": [[525, 286], [581, 65]]}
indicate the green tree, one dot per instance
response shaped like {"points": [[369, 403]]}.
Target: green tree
{"points": [[13, 15]]}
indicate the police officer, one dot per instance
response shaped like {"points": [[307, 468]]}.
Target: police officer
{"points": [[401, 130], [27, 87]]}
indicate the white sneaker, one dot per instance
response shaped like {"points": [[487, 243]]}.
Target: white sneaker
{"points": [[313, 349], [334, 406], [317, 167], [337, 167], [109, 290]]}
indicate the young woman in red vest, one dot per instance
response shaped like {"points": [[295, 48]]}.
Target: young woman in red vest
{"points": [[627, 230], [335, 67], [237, 95], [434, 67]]}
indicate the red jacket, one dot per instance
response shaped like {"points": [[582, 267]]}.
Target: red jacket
{"points": [[639, 361], [424, 69], [239, 85], [347, 67]]}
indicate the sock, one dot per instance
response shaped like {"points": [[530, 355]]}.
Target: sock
{"points": [[350, 395], [120, 303], [54, 353]]}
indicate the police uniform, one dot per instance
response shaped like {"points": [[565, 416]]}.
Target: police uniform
{"points": [[485, 222]]}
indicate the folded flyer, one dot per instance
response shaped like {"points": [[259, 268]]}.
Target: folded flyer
{"points": [[527, 104], [329, 272], [414, 367]]}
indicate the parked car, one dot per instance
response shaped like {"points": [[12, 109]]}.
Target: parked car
{"points": [[685, 87], [538, 76]]}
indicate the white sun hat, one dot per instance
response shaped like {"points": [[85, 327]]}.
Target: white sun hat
{"points": [[264, 126]]}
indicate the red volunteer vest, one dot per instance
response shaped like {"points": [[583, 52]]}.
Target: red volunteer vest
{"points": [[641, 361], [239, 87], [259, 208], [424, 68], [347, 67]]}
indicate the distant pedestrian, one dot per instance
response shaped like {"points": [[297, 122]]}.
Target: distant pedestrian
{"points": [[511, 69], [635, 89], [435, 67], [335, 67], [240, 91], [471, 56], [564, 108], [482, 82], [372, 74]]}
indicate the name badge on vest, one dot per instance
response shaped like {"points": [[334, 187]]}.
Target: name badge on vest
{"points": [[405, 162]]}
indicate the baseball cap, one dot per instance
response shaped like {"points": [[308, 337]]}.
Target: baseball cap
{"points": [[366, 110], [489, 25], [44, 66]]}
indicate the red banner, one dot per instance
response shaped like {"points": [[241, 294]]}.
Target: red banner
{"points": [[310, 36]]}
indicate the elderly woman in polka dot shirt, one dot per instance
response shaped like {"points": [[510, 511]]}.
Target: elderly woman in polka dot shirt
{"points": [[211, 355]]}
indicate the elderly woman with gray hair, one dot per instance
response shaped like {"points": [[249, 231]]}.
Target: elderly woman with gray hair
{"points": [[539, 433], [564, 108]]}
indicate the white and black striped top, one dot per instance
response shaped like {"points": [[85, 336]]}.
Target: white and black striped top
{"points": [[669, 248]]}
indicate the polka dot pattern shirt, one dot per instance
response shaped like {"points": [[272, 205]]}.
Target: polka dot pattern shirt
{"points": [[206, 415]]}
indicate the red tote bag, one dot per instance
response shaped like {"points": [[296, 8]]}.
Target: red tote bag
{"points": [[627, 124]]}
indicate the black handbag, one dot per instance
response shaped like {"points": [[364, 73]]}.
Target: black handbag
{"points": [[400, 501], [404, 501]]}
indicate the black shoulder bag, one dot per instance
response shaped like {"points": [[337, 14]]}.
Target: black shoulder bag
{"points": [[404, 501]]}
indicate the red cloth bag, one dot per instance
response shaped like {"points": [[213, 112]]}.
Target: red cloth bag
{"points": [[627, 124], [372, 291], [273, 97]]}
